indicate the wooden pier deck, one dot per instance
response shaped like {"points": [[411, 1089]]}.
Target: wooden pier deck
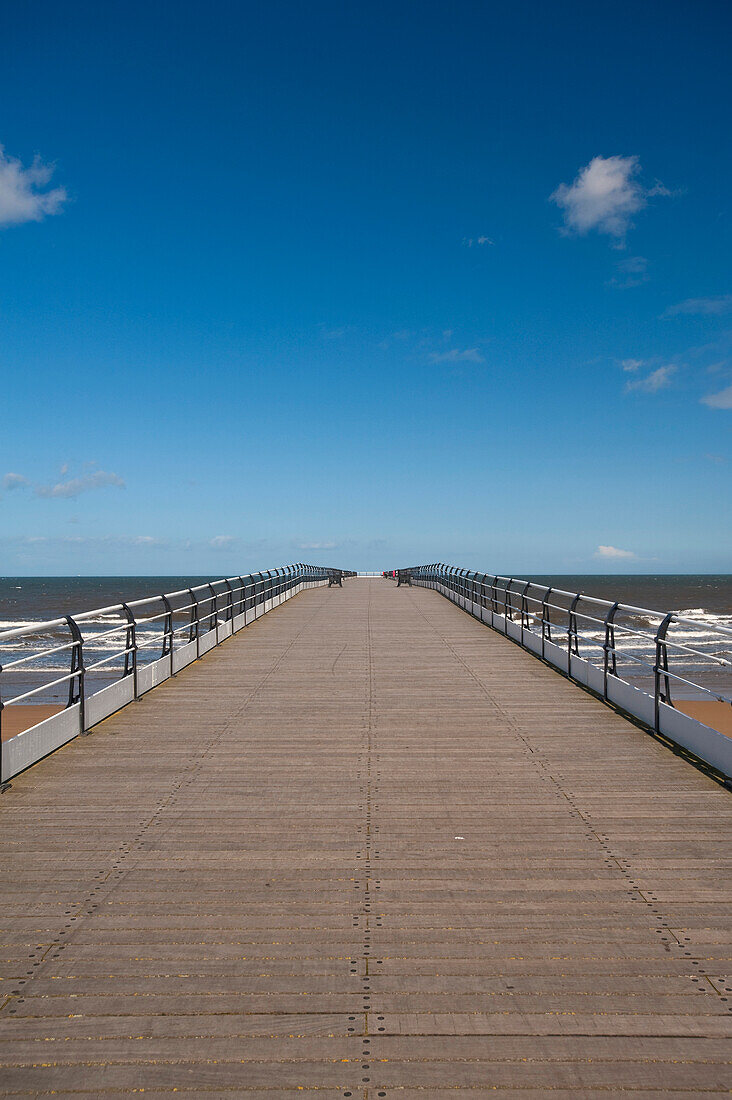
{"points": [[370, 848]]}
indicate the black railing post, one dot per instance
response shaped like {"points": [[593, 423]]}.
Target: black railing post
{"points": [[662, 685], [229, 615], [572, 638], [610, 661], [130, 648], [507, 605], [194, 632], [213, 618], [77, 685], [168, 637], [524, 610], [546, 622]]}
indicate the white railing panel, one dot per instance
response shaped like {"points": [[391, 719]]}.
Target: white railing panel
{"points": [[108, 700], [149, 676], [19, 752]]}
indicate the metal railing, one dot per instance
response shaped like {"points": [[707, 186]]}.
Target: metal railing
{"points": [[636, 658], [113, 655]]}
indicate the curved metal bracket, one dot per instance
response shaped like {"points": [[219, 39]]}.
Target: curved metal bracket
{"points": [[229, 615], [76, 683], [524, 610], [507, 605], [213, 617], [662, 682], [193, 629], [546, 622], [572, 639], [130, 647], [609, 654]]}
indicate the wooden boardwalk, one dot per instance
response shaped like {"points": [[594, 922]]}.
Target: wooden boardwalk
{"points": [[371, 848]]}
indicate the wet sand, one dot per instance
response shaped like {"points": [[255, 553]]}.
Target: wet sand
{"points": [[17, 719], [710, 712]]}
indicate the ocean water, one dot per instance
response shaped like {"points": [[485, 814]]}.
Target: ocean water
{"points": [[28, 600], [698, 652]]}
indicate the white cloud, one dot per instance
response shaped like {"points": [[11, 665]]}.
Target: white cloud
{"points": [[221, 542], [455, 355], [657, 380], [604, 196], [14, 481], [22, 198], [317, 545], [100, 479], [705, 306], [480, 241], [631, 364], [631, 272], [613, 553], [328, 333], [721, 400]]}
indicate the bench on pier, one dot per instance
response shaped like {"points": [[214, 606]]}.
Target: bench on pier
{"points": [[404, 577], [335, 577]]}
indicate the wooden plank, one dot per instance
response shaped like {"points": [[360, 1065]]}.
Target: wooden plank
{"points": [[367, 847]]}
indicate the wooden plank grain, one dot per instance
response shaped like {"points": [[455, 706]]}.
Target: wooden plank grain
{"points": [[369, 848]]}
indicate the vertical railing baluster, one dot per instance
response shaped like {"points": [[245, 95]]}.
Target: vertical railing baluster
{"points": [[546, 622], [572, 638], [130, 648], [77, 683], [609, 653], [168, 635], [194, 630], [662, 684]]}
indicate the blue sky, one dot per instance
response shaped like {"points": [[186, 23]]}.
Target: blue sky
{"points": [[365, 284]]}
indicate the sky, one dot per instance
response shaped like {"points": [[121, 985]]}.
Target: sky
{"points": [[366, 285]]}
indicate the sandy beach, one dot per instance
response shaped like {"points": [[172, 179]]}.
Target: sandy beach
{"points": [[17, 719], [710, 712]]}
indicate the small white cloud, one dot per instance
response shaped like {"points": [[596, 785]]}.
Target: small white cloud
{"points": [[456, 355], [657, 380], [100, 479], [332, 333], [631, 272], [22, 194], [721, 400], [703, 306], [480, 241], [631, 364], [14, 481], [317, 545], [221, 542], [604, 196], [613, 553]]}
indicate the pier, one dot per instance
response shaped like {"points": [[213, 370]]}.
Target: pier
{"points": [[370, 847]]}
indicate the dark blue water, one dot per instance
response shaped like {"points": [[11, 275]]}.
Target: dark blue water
{"points": [[26, 600]]}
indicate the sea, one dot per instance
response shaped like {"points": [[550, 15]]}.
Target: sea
{"points": [[701, 653]]}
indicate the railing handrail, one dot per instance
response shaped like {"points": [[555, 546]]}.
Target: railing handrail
{"points": [[654, 612], [84, 616], [189, 623], [574, 644]]}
